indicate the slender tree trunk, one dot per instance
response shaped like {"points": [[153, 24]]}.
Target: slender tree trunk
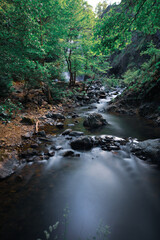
{"points": [[71, 73]]}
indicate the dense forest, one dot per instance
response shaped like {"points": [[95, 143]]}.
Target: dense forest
{"points": [[79, 111], [40, 40]]}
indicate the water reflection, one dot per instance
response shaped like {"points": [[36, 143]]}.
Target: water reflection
{"points": [[121, 126]]}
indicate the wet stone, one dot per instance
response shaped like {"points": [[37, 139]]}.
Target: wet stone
{"points": [[41, 133], [34, 145], [55, 115], [28, 152], [82, 143], [26, 136], [56, 148], [71, 125], [51, 154], [42, 139], [75, 115], [60, 125], [76, 134], [94, 120], [70, 153], [67, 132], [68, 138]]}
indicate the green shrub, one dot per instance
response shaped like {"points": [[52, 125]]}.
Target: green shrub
{"points": [[5, 84], [113, 81], [9, 110], [131, 76]]}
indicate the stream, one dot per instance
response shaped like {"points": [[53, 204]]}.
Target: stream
{"points": [[115, 188]]}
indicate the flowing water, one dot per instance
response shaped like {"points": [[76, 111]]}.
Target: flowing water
{"points": [[114, 187]]}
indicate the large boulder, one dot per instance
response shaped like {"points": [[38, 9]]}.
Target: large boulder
{"points": [[82, 143], [94, 120], [149, 149]]}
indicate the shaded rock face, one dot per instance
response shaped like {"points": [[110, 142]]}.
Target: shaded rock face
{"points": [[82, 143], [149, 149], [147, 109], [121, 60], [94, 120], [121, 109]]}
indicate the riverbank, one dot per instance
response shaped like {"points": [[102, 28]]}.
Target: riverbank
{"points": [[38, 120], [139, 99], [26, 138]]}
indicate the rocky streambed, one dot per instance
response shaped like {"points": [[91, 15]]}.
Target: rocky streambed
{"points": [[92, 161], [89, 115]]}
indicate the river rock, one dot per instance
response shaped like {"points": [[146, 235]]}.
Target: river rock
{"points": [[82, 143], [8, 167], [94, 120], [26, 136], [75, 115], [29, 152], [70, 153], [92, 107], [93, 101], [109, 143], [51, 154], [71, 125], [47, 140], [41, 133], [76, 134], [34, 159], [60, 125], [102, 94], [55, 115], [67, 132], [34, 145], [149, 149]]}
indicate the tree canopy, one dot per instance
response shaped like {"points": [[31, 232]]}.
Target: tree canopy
{"points": [[39, 39], [119, 22]]}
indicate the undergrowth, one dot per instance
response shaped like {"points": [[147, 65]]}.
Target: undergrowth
{"points": [[9, 110]]}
